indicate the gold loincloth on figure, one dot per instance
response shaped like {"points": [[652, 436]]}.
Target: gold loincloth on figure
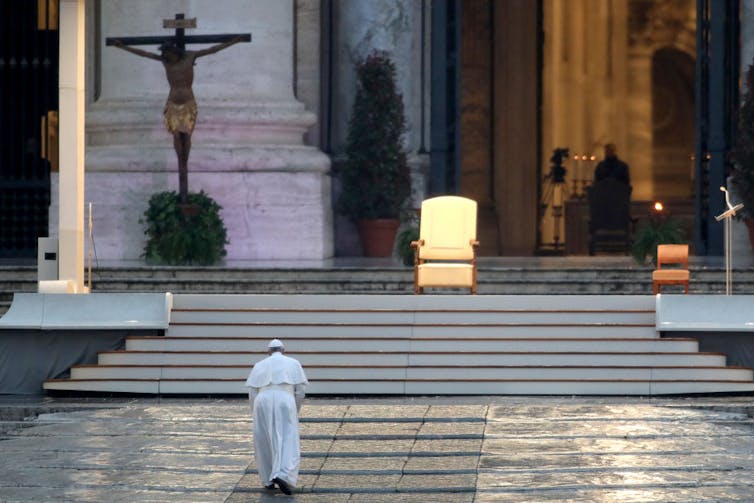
{"points": [[180, 118]]}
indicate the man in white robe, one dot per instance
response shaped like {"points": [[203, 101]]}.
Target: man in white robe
{"points": [[276, 392]]}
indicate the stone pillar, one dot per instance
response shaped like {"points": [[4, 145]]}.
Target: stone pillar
{"points": [[393, 26], [247, 148], [741, 245], [308, 62], [360, 27], [71, 176], [747, 34], [640, 122], [515, 126], [616, 83]]}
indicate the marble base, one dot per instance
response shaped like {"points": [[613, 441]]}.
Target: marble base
{"points": [[227, 123], [275, 201]]}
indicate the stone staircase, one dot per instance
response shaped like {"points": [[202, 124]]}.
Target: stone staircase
{"points": [[416, 345], [557, 276]]}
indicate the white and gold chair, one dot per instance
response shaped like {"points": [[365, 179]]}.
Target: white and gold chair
{"points": [[445, 254]]}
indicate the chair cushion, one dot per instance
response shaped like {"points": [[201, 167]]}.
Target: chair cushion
{"points": [[670, 275], [445, 274]]}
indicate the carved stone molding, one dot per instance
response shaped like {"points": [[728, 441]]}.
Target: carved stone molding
{"points": [[662, 23]]}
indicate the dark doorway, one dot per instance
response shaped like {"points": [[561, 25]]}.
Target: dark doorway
{"points": [[486, 94], [28, 121], [717, 102], [673, 116]]}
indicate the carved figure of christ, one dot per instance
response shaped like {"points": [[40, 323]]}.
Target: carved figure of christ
{"points": [[180, 107]]}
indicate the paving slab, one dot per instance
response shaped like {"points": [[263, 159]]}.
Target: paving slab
{"points": [[366, 428], [452, 428], [367, 445], [439, 463], [321, 429], [364, 463]]}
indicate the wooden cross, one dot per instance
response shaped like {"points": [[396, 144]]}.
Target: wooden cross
{"points": [[180, 23], [180, 111]]}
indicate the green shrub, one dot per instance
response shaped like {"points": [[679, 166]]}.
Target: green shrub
{"points": [[403, 244], [179, 237], [375, 177], [656, 232]]}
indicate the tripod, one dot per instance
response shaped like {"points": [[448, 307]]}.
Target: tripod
{"points": [[554, 193]]}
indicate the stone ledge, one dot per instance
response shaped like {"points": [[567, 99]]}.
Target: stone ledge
{"points": [[88, 311], [705, 313]]}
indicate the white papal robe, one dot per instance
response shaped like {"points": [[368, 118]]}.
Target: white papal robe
{"points": [[276, 392]]}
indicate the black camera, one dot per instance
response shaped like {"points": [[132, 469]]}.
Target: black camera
{"points": [[557, 171]]}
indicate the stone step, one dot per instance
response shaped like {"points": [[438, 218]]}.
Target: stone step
{"points": [[533, 279], [416, 344], [290, 332], [347, 345], [416, 387], [504, 304], [315, 373], [498, 317], [383, 358]]}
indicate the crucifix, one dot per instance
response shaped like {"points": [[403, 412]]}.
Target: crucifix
{"points": [[180, 108]]}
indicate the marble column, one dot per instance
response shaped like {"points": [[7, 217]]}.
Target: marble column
{"points": [[393, 26], [247, 148], [71, 175]]}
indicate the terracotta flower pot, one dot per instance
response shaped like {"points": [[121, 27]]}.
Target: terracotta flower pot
{"points": [[377, 236]]}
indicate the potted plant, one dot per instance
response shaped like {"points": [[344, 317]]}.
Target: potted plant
{"points": [[742, 175], [655, 232], [403, 244], [375, 179], [177, 238]]}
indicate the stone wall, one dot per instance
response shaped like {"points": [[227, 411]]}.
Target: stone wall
{"points": [[248, 151]]}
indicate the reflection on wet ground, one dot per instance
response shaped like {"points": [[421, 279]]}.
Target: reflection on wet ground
{"points": [[473, 449]]}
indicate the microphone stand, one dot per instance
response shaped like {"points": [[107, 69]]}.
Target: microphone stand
{"points": [[728, 215]]}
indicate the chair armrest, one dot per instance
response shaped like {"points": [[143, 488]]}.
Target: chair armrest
{"points": [[416, 245], [474, 243]]}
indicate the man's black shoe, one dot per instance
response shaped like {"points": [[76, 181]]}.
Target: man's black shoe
{"points": [[283, 485], [270, 487]]}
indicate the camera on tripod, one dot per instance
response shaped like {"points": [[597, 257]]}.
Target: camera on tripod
{"points": [[557, 171], [553, 195]]}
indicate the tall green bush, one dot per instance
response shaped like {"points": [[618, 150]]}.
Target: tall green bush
{"points": [[375, 178]]}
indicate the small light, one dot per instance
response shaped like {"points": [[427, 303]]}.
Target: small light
{"points": [[592, 158], [583, 158], [658, 206]]}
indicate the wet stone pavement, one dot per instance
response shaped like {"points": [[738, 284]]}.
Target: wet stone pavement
{"points": [[464, 449]]}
